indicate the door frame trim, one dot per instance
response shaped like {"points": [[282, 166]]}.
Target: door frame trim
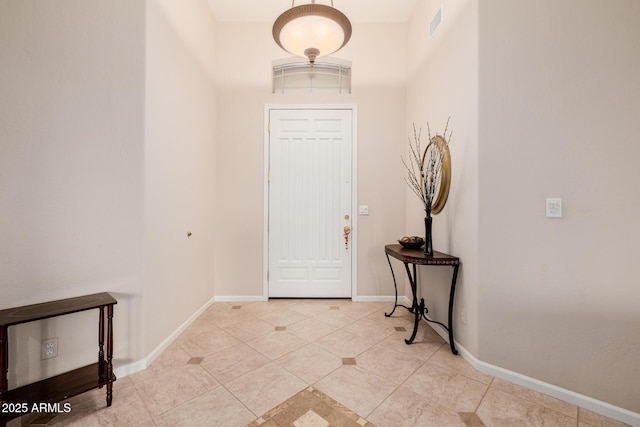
{"points": [[354, 188]]}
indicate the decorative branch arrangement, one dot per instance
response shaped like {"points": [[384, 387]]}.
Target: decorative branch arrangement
{"points": [[424, 169]]}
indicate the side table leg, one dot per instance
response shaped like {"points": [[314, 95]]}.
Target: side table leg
{"points": [[414, 308], [395, 287], [109, 354], [101, 366], [451, 295], [4, 369]]}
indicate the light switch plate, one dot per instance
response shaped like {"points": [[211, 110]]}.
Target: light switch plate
{"points": [[364, 210], [554, 208]]}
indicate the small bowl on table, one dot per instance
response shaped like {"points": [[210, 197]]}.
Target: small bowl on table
{"points": [[411, 245]]}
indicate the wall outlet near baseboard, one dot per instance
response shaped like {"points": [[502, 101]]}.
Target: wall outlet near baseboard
{"points": [[463, 317], [49, 348]]}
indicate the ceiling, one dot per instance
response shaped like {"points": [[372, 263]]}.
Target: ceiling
{"points": [[358, 11]]}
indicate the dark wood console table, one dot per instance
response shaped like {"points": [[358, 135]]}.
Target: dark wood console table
{"points": [[417, 257], [19, 401]]}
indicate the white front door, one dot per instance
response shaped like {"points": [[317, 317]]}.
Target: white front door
{"points": [[310, 176]]}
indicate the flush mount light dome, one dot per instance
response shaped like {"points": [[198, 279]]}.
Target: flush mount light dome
{"points": [[312, 30]]}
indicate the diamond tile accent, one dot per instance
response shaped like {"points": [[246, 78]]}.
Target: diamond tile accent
{"points": [[264, 353], [310, 408], [311, 419], [471, 419]]}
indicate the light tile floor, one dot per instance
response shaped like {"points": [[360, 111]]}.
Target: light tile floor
{"points": [[238, 361]]}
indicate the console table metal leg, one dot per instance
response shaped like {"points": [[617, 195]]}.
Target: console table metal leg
{"points": [[395, 287], [417, 257], [415, 309], [451, 295]]}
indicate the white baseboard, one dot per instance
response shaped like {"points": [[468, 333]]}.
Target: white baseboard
{"points": [[224, 298], [131, 368], [586, 402], [374, 299], [568, 396], [262, 298]]}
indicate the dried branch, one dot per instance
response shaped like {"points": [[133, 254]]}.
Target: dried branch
{"points": [[423, 178]]}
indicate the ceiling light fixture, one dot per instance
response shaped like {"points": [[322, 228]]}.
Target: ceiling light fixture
{"points": [[312, 30]]}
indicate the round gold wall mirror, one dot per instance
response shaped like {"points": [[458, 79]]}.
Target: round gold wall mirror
{"points": [[444, 184]]}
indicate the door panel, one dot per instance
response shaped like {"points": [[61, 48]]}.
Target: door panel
{"points": [[309, 203]]}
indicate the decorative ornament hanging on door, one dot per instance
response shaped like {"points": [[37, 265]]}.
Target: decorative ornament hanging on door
{"points": [[347, 231]]}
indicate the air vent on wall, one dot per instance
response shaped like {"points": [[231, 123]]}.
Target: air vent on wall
{"points": [[435, 22]]}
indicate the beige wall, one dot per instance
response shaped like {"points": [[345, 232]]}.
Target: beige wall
{"points": [[544, 102], [180, 140], [107, 118], [107, 164], [443, 84], [245, 89], [71, 177], [559, 117]]}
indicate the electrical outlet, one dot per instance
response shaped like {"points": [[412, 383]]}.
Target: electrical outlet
{"points": [[463, 317], [49, 348]]}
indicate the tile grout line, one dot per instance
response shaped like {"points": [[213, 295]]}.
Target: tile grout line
{"points": [[135, 387], [403, 382], [307, 343], [475, 411], [360, 314]]}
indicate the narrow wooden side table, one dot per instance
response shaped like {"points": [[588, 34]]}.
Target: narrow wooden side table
{"points": [[417, 257], [60, 387]]}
